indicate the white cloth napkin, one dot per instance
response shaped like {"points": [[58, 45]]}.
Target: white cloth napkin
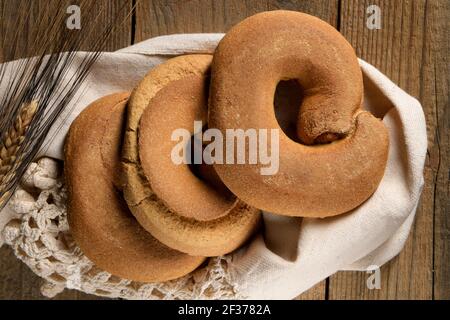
{"points": [[293, 254]]}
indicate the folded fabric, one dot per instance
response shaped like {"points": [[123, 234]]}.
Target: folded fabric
{"points": [[293, 254]]}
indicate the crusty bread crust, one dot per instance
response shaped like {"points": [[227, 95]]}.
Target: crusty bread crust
{"points": [[99, 218], [312, 181]]}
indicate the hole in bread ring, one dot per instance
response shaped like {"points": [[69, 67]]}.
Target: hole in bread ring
{"points": [[205, 171], [287, 101], [338, 155]]}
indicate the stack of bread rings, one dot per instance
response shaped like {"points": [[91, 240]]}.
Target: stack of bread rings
{"points": [[139, 215]]}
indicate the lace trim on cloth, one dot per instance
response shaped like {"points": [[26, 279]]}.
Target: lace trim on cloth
{"points": [[41, 238]]}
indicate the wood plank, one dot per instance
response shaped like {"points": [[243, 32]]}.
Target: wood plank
{"points": [[325, 10], [37, 17], [108, 11], [318, 292], [17, 280], [405, 51], [435, 85], [162, 17]]}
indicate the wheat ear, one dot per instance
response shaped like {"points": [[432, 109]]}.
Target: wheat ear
{"points": [[10, 145]]}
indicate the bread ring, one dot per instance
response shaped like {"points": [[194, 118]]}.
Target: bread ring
{"points": [[99, 219], [312, 181], [167, 199], [176, 106]]}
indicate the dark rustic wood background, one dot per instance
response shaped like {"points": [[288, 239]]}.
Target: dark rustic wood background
{"points": [[411, 48]]}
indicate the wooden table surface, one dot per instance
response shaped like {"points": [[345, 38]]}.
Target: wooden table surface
{"points": [[411, 48]]}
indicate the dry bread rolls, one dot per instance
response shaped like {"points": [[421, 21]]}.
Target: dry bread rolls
{"points": [[178, 208], [314, 179], [99, 218], [176, 106]]}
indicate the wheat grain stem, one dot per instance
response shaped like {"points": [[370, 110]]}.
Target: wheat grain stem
{"points": [[11, 143]]}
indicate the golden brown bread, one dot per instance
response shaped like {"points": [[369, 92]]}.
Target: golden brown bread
{"points": [[177, 106], [312, 181], [99, 218], [168, 200]]}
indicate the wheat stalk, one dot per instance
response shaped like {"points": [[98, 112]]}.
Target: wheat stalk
{"points": [[10, 145]]}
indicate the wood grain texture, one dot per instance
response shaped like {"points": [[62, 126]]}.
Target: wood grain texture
{"points": [[162, 17], [409, 49], [117, 12], [318, 292], [35, 17], [435, 83]]}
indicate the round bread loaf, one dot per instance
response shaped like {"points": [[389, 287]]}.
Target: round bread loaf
{"points": [[339, 154], [99, 218], [179, 208]]}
